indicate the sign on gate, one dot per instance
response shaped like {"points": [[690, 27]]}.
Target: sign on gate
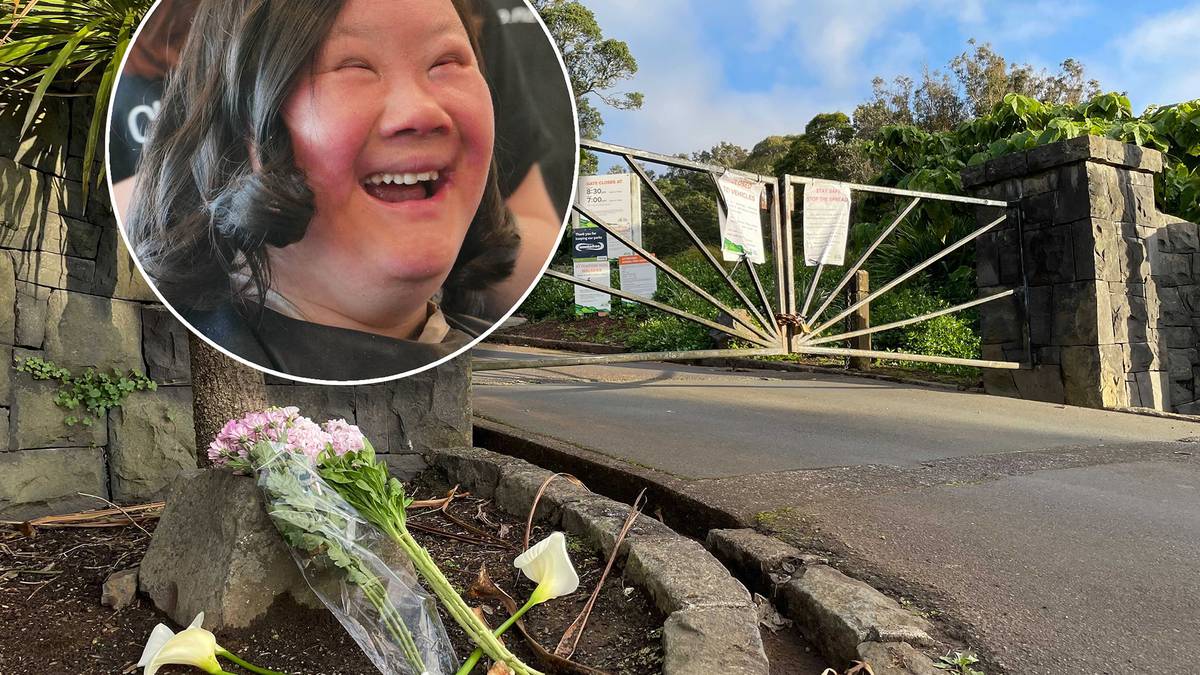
{"points": [[615, 199], [589, 253], [741, 220], [826, 222], [638, 276]]}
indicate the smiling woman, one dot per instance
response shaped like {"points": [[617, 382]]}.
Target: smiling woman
{"points": [[317, 194]]}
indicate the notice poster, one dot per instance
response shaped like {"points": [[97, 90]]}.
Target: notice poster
{"points": [[638, 276], [587, 300], [588, 242], [616, 200], [826, 222], [741, 220]]}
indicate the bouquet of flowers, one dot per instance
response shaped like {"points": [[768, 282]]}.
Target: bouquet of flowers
{"points": [[333, 501], [397, 626]]}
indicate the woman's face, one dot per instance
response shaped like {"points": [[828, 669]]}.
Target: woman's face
{"points": [[393, 129]]}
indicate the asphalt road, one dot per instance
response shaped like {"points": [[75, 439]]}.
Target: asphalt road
{"points": [[1053, 539]]}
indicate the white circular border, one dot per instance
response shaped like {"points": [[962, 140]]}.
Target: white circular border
{"points": [[349, 383]]}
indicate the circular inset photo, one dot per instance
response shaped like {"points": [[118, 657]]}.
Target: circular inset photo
{"points": [[342, 191]]}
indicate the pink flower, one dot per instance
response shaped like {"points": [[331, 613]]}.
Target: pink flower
{"points": [[282, 425], [345, 437]]}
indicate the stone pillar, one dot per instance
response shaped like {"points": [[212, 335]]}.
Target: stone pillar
{"points": [[1083, 219]]}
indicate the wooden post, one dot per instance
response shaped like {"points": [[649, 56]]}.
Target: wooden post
{"points": [[860, 319]]}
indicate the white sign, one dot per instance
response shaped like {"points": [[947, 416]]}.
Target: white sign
{"points": [[826, 222], [616, 200], [741, 220], [638, 276], [586, 299]]}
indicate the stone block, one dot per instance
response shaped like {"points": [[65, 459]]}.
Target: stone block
{"points": [[55, 271], [1039, 183], [1081, 311], [1051, 356], [1134, 260], [1056, 154], [1172, 308], [29, 191], [165, 346], [1005, 166], [679, 574], [760, 560], [598, 520], [1000, 320], [1093, 376], [216, 551], [987, 260], [1040, 310], [475, 469], [516, 491], [714, 640], [1171, 269], [38, 423], [896, 658], [47, 480], [318, 403], [1153, 387], [8, 300], [6, 375], [116, 275], [1179, 337], [845, 612], [51, 233], [1049, 255], [421, 412], [31, 314], [119, 589], [1038, 209], [85, 331], [4, 430], [1074, 199], [404, 467], [1181, 237], [1041, 383], [1000, 383], [151, 441], [1182, 392], [1141, 356]]}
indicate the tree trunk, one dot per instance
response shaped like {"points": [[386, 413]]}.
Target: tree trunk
{"points": [[222, 389]]}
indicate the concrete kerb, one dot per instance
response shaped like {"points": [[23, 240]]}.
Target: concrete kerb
{"points": [[847, 619], [869, 626], [711, 625]]}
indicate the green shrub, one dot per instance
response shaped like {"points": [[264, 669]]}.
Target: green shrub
{"points": [[551, 299], [668, 333], [947, 335]]}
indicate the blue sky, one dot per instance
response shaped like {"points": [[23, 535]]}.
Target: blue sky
{"points": [[743, 70]]}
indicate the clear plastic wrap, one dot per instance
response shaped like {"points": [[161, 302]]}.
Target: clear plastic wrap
{"points": [[380, 604]]}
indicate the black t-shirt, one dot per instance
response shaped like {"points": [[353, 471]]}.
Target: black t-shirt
{"points": [[304, 349]]}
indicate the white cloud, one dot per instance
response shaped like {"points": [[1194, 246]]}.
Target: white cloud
{"points": [[688, 106], [1153, 57]]}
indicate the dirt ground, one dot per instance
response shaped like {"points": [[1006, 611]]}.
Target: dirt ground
{"points": [[53, 622]]}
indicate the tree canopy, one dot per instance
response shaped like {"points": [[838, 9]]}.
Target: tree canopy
{"points": [[596, 65]]}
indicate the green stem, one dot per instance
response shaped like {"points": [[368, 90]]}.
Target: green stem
{"points": [[455, 606], [246, 664], [473, 659], [377, 595]]}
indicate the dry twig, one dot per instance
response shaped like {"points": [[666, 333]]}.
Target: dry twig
{"points": [[575, 630], [538, 497]]}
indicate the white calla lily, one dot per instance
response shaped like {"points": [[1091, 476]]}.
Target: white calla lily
{"points": [[547, 564], [193, 646]]}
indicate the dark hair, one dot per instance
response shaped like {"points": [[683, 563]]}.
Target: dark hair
{"points": [[201, 201]]}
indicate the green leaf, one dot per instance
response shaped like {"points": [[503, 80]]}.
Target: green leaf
{"points": [[64, 54]]}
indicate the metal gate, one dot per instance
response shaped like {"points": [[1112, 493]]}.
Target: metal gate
{"points": [[780, 327]]}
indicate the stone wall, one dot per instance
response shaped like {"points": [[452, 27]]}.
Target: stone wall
{"points": [[1110, 312], [69, 293]]}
